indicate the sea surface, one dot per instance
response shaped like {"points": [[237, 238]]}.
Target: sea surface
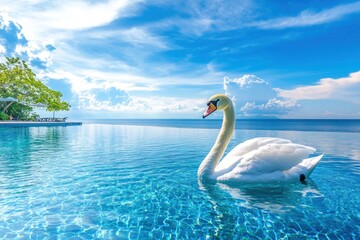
{"points": [[319, 125], [126, 179]]}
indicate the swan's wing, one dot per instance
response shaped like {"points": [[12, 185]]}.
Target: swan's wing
{"points": [[236, 154], [262, 156]]}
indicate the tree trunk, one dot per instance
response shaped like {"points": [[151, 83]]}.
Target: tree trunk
{"points": [[7, 106]]}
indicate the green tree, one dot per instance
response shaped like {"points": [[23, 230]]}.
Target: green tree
{"points": [[17, 80], [21, 112]]}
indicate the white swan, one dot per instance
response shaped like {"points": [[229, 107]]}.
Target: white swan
{"points": [[256, 160]]}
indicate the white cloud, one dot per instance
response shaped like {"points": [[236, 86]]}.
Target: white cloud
{"points": [[105, 100], [2, 49], [15, 43], [133, 72], [197, 16], [46, 18], [221, 15], [140, 37], [346, 89], [38, 56], [10, 33], [244, 82], [255, 97], [137, 36], [4, 19], [110, 93], [86, 80], [274, 107], [102, 99], [229, 15], [308, 18], [149, 105], [44, 22], [248, 88]]}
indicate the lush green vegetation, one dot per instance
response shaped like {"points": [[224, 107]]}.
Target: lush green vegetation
{"points": [[18, 112], [18, 81]]}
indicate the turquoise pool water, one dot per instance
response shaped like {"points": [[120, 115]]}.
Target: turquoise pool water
{"points": [[108, 181]]}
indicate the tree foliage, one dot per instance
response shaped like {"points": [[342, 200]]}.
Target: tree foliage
{"points": [[17, 80], [21, 112]]}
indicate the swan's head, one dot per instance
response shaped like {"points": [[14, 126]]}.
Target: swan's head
{"points": [[217, 102]]}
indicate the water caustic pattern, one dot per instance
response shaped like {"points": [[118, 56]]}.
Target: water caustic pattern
{"points": [[136, 182]]}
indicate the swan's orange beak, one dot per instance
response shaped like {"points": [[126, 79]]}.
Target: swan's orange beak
{"points": [[211, 108]]}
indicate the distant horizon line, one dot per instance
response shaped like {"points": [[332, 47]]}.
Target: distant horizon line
{"points": [[238, 119]]}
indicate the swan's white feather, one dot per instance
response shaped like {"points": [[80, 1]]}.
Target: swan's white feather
{"points": [[266, 159]]}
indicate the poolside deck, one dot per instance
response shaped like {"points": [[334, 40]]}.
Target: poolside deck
{"points": [[37, 124]]}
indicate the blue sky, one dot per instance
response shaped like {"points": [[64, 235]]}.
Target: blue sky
{"points": [[164, 59]]}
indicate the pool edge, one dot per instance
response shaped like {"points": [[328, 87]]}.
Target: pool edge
{"points": [[37, 124]]}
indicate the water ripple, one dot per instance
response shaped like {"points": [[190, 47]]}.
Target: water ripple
{"points": [[126, 182]]}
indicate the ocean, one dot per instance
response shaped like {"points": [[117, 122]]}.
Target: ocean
{"points": [[318, 125]]}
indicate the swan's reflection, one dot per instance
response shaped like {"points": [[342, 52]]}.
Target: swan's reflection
{"points": [[245, 208], [274, 197]]}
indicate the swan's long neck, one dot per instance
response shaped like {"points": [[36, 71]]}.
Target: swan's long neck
{"points": [[208, 165]]}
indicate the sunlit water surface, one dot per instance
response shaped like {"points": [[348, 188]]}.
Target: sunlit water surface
{"points": [[138, 182]]}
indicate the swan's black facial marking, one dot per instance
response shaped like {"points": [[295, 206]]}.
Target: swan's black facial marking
{"points": [[213, 102]]}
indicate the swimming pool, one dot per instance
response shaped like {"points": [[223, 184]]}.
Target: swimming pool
{"points": [[111, 181]]}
